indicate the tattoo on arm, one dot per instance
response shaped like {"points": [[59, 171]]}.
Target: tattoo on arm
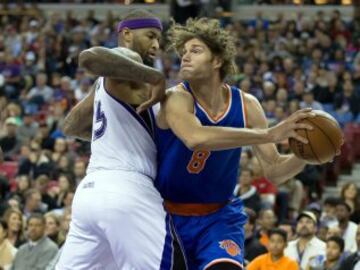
{"points": [[118, 63], [78, 122]]}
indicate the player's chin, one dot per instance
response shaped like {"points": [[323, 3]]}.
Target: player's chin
{"points": [[186, 75]]}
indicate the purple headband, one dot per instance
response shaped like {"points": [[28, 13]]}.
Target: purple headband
{"points": [[140, 23]]}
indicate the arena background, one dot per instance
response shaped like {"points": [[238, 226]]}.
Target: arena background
{"points": [[291, 54]]}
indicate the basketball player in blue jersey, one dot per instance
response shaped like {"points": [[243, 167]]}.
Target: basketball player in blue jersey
{"points": [[201, 128], [118, 219]]}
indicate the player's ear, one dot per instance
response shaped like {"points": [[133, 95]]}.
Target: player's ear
{"points": [[127, 35], [217, 62]]}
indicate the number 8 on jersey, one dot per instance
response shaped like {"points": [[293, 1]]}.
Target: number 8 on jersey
{"points": [[198, 161]]}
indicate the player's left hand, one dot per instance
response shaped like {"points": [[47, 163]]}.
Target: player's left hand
{"points": [[157, 95]]}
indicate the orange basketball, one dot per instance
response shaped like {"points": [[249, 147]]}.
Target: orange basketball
{"points": [[324, 140]]}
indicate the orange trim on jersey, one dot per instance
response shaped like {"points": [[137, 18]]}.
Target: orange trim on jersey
{"points": [[223, 260], [192, 209], [207, 111], [244, 108]]}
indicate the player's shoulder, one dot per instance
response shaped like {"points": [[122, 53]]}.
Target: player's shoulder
{"points": [[178, 89], [178, 92], [249, 99]]}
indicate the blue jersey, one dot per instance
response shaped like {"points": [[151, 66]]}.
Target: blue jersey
{"points": [[186, 176]]}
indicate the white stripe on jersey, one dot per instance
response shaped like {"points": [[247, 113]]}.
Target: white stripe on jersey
{"points": [[120, 140]]}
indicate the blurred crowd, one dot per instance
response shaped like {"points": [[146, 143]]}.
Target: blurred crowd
{"points": [[286, 64]]}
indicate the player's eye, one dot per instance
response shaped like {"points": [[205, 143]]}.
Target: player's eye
{"points": [[196, 51]]}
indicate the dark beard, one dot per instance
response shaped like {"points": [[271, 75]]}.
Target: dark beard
{"points": [[148, 61]]}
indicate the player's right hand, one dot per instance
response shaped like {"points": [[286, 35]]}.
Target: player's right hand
{"points": [[287, 128], [157, 95]]}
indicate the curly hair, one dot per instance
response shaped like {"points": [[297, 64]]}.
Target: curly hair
{"points": [[219, 41]]}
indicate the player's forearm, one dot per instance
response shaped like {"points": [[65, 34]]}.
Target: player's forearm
{"points": [[78, 122], [223, 138], [78, 125], [284, 169], [113, 64]]}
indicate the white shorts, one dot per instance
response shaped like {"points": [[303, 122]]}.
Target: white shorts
{"points": [[118, 222]]}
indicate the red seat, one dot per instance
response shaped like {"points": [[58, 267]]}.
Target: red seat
{"points": [[352, 136], [9, 169], [347, 156]]}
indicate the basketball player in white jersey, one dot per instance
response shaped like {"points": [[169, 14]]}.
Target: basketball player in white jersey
{"points": [[118, 221]]}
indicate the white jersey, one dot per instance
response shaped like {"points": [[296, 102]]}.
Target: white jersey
{"points": [[121, 140]]}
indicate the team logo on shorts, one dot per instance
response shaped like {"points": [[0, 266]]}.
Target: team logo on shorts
{"points": [[231, 247]]}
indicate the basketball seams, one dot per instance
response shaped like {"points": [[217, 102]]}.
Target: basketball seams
{"points": [[322, 131], [333, 120], [311, 147]]}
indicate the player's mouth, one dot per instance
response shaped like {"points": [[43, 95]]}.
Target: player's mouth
{"points": [[185, 66], [152, 55]]}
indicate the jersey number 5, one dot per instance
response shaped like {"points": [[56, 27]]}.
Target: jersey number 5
{"points": [[198, 161], [100, 118]]}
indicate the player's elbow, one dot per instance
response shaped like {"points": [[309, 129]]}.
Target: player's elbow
{"points": [[194, 141], [86, 57], [66, 129]]}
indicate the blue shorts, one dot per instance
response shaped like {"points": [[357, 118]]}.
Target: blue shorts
{"points": [[218, 237]]}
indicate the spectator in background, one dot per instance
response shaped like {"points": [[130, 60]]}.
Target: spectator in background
{"points": [[308, 101], [15, 233], [350, 194], [265, 188], [7, 250], [37, 162], [275, 258], [307, 245], [332, 260], [52, 228], [328, 216], [23, 184], [347, 227], [315, 207], [294, 195], [65, 225], [65, 185], [352, 262], [47, 142], [246, 192], [28, 129], [269, 90], [10, 143], [33, 202], [79, 171], [39, 250], [41, 93], [41, 184], [333, 231], [267, 220], [347, 101], [67, 202], [288, 227], [253, 248]]}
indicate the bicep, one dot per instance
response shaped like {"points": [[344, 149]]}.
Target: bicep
{"points": [[179, 115], [79, 119]]}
